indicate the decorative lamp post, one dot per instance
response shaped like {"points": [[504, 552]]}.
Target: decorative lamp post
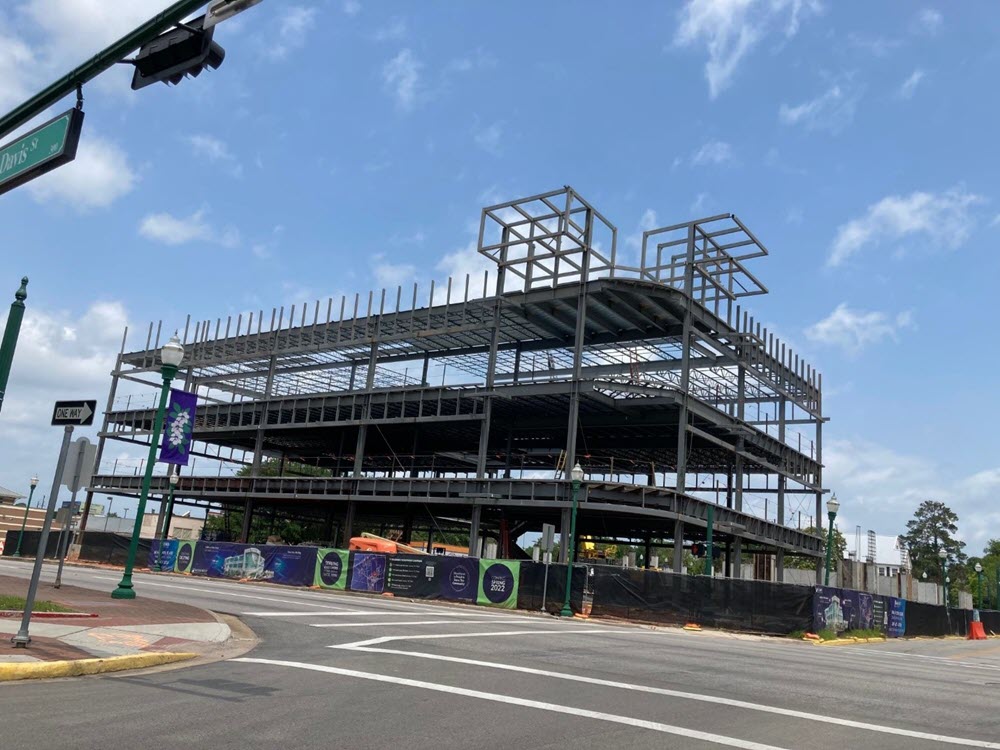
{"points": [[577, 475], [979, 584], [10, 333], [943, 554], [164, 532], [24, 521], [171, 356], [832, 506]]}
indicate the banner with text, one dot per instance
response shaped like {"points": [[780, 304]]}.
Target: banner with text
{"points": [[185, 556], [498, 581], [163, 554], [331, 568]]}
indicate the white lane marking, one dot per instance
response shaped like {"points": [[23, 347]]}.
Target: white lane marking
{"points": [[196, 590], [392, 623], [494, 634], [361, 613], [655, 726], [685, 695]]}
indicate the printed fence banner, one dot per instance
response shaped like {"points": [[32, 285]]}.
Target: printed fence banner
{"points": [[498, 583], [459, 578], [331, 568], [163, 554], [413, 575], [368, 572], [185, 556], [897, 617], [227, 560], [177, 428], [291, 566], [828, 611]]}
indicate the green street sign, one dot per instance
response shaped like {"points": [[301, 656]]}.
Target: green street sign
{"points": [[43, 149]]}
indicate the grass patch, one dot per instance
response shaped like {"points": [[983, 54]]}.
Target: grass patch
{"points": [[861, 633], [17, 603], [797, 634], [826, 634]]}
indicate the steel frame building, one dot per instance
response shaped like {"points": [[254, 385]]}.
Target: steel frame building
{"points": [[467, 403]]}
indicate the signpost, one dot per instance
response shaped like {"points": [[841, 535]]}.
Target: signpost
{"points": [[74, 413], [43, 149], [546, 543], [76, 474], [68, 414]]}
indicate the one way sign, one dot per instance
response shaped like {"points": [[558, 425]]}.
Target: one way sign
{"points": [[77, 413]]}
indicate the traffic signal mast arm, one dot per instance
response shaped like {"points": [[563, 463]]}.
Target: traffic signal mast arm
{"points": [[97, 64]]}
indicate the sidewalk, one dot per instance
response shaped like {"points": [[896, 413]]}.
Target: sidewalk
{"points": [[121, 627]]}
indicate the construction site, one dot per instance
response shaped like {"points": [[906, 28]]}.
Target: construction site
{"points": [[460, 408]]}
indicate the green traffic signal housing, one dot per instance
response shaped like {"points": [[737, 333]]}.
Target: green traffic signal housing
{"points": [[183, 51]]}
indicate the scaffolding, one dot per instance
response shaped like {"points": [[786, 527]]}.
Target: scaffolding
{"points": [[468, 400]]}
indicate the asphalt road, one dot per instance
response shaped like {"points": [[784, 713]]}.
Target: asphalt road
{"points": [[346, 671]]}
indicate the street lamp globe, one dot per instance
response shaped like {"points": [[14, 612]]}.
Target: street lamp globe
{"points": [[174, 480], [577, 473], [172, 352], [979, 568], [942, 553], [924, 575], [833, 505], [34, 481], [948, 580]]}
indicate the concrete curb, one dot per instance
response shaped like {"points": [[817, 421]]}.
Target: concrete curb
{"points": [[848, 641], [43, 670]]}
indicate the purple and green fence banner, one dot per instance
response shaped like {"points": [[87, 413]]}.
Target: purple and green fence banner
{"points": [[163, 554], [498, 583], [368, 572], [844, 609], [459, 578], [331, 568], [185, 556], [177, 428]]}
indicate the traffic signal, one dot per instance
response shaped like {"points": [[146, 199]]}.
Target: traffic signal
{"points": [[184, 50], [698, 549]]}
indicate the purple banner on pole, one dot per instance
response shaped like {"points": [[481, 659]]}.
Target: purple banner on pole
{"points": [[177, 427]]}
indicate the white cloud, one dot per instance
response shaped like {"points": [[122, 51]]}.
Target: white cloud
{"points": [[646, 222], [712, 152], [401, 76], [352, 7], [396, 29], [909, 86], [99, 176], [942, 217], [730, 29], [179, 230], [16, 58], [296, 22], [60, 354], [928, 21], [393, 274], [853, 330], [833, 110], [215, 150], [488, 138]]}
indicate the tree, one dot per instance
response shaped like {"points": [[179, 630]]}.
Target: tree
{"points": [[991, 563], [932, 528], [809, 563]]}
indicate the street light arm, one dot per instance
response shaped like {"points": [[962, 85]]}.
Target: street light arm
{"points": [[96, 65]]}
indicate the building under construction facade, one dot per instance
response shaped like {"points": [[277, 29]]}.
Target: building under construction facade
{"points": [[465, 405]]}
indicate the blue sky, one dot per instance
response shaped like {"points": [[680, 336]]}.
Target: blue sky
{"points": [[348, 145]]}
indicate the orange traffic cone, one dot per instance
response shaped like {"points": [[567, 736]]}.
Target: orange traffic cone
{"points": [[976, 632]]}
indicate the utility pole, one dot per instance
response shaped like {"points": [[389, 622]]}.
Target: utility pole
{"points": [[10, 335]]}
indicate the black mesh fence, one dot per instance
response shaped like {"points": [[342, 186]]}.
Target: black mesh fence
{"points": [[29, 544], [754, 606], [532, 584], [98, 546]]}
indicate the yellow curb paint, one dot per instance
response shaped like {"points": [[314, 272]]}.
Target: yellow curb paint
{"points": [[43, 670], [848, 641]]}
